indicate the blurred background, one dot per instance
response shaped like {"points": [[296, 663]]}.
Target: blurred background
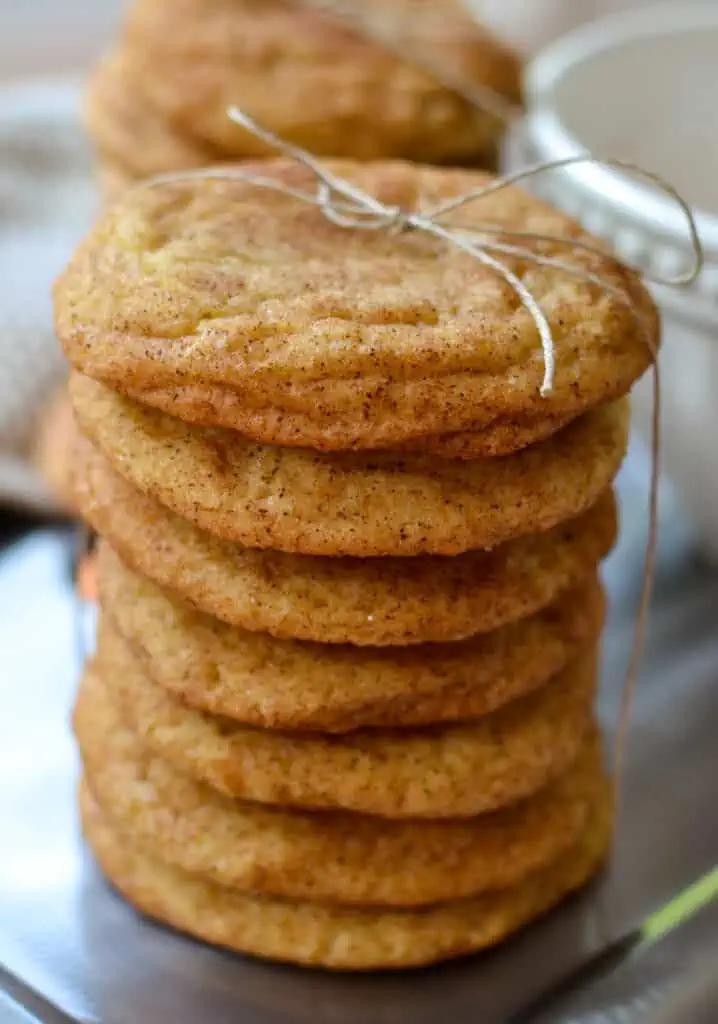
{"points": [[43, 34]]}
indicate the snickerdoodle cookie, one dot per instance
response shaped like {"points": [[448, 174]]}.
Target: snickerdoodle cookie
{"points": [[315, 80], [54, 447], [344, 858], [441, 772], [335, 936], [374, 601], [229, 304], [129, 132], [113, 179], [351, 503], [260, 680]]}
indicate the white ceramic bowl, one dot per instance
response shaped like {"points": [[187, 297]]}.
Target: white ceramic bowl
{"points": [[47, 202], [644, 87]]}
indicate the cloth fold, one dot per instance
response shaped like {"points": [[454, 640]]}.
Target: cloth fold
{"points": [[47, 201]]}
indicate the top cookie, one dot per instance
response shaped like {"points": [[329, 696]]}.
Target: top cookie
{"points": [[229, 304], [316, 80]]}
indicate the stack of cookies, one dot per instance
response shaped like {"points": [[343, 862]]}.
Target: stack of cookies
{"points": [[158, 102], [341, 709]]}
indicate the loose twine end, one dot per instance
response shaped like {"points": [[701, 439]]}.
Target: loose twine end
{"points": [[347, 205]]}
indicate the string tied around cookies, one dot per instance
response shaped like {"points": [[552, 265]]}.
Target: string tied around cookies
{"points": [[348, 206]]}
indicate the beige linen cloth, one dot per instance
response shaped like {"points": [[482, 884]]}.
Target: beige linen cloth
{"points": [[47, 201]]}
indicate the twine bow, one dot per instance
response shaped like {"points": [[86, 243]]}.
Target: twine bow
{"points": [[347, 205]]}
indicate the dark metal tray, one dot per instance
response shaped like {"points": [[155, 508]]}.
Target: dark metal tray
{"points": [[73, 951]]}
